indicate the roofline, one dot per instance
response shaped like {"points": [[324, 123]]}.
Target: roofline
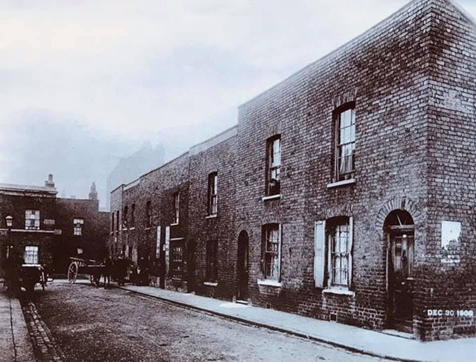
{"points": [[158, 168], [336, 50], [225, 135], [28, 188], [463, 12]]}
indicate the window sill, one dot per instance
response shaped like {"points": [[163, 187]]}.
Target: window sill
{"points": [[174, 224], [210, 284], [269, 283], [272, 197], [339, 292], [213, 216], [132, 228], [341, 183]]}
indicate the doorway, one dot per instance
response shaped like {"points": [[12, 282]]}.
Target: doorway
{"points": [[400, 257], [243, 266]]}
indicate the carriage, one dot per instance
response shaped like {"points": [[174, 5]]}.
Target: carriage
{"points": [[92, 268]]}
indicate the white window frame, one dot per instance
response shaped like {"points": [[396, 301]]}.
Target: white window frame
{"points": [[340, 144], [30, 255], [332, 283], [176, 219], [78, 226], [32, 219], [213, 193], [274, 154], [276, 255]]}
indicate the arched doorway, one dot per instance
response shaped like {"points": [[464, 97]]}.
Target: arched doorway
{"points": [[242, 269], [400, 233]]}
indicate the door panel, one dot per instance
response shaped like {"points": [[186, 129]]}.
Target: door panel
{"points": [[400, 279], [243, 266]]}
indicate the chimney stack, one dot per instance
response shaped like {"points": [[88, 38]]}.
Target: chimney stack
{"points": [[50, 182]]}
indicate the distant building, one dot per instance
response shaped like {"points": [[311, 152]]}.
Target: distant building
{"points": [[47, 229], [131, 167]]}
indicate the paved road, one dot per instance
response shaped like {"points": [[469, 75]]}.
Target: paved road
{"points": [[89, 324]]}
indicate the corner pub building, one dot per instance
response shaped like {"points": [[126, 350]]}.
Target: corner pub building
{"points": [[344, 193]]}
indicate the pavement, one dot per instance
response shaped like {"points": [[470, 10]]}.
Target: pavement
{"points": [[15, 343], [351, 338]]}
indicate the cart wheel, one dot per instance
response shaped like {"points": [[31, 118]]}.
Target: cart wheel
{"points": [[73, 272]]}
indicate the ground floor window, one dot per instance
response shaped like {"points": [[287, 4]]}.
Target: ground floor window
{"points": [[176, 259], [212, 263], [340, 252], [333, 241], [31, 255], [272, 251]]}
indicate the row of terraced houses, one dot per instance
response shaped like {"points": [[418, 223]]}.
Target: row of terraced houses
{"points": [[344, 193]]}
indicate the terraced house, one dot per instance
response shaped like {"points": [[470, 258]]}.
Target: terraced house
{"points": [[344, 193]]}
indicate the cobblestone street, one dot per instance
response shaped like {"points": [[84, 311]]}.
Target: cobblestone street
{"points": [[89, 324]]}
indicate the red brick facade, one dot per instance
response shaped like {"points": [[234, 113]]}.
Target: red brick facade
{"points": [[325, 246]]}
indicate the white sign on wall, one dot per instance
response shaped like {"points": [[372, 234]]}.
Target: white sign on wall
{"points": [[450, 241], [167, 249], [157, 248]]}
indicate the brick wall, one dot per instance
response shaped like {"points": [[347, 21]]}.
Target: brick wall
{"points": [[411, 78], [204, 228], [449, 286]]}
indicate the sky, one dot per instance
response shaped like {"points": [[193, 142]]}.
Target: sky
{"points": [[86, 82]]}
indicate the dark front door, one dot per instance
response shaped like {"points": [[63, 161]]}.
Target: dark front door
{"points": [[400, 279], [243, 266]]}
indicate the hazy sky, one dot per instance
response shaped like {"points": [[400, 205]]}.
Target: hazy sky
{"points": [[84, 82]]}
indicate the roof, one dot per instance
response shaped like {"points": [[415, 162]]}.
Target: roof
{"points": [[27, 188]]}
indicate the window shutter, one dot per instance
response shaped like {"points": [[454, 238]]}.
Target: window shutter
{"points": [[351, 240], [319, 253], [167, 249], [280, 236]]}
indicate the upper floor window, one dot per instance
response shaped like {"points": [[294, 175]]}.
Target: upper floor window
{"points": [[148, 214], [78, 226], [273, 166], [176, 208], [133, 215], [124, 217], [213, 193], [112, 221], [32, 219], [272, 251], [345, 143]]}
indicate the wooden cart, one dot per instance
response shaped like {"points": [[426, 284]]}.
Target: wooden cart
{"points": [[92, 268]]}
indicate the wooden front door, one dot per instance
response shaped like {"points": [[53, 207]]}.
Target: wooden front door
{"points": [[400, 278], [243, 266]]}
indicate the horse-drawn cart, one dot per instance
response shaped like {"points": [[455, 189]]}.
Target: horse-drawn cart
{"points": [[92, 268]]}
